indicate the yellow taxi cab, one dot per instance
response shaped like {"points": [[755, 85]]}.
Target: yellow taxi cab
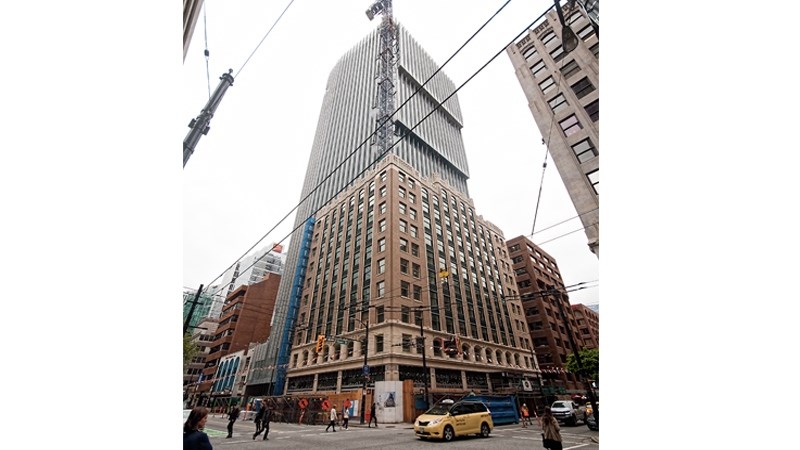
{"points": [[448, 419]]}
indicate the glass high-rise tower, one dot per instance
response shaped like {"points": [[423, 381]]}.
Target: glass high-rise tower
{"points": [[347, 118]]}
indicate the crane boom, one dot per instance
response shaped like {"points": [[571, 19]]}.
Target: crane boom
{"points": [[200, 125], [386, 77]]}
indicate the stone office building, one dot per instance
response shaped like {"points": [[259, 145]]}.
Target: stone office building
{"points": [[563, 91], [393, 247]]}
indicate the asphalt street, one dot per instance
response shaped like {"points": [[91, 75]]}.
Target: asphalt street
{"points": [[386, 436]]}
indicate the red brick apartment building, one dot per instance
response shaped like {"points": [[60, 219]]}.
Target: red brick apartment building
{"points": [[535, 272], [245, 318]]}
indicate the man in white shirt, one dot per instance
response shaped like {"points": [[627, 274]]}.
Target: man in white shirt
{"points": [[333, 420]]}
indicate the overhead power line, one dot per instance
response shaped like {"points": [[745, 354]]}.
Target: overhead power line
{"points": [[562, 222], [265, 37], [559, 77]]}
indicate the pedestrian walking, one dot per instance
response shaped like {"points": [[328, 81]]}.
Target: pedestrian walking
{"points": [[345, 417], [193, 437], [525, 415], [232, 416], [333, 420], [551, 433], [260, 410], [372, 416], [265, 418]]}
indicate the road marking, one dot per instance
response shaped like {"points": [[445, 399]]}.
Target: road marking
{"points": [[539, 439], [214, 433]]}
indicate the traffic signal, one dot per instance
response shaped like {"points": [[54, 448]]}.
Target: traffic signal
{"points": [[320, 343]]}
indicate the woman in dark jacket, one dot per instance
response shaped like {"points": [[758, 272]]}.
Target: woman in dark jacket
{"points": [[193, 438]]}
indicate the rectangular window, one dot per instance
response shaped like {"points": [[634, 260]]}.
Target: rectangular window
{"points": [[379, 314], [548, 39], [402, 208], [570, 125], [412, 198], [593, 110], [379, 343], [383, 191], [586, 32], [403, 265], [584, 150], [530, 54], [558, 54], [382, 225], [558, 103], [537, 68], [415, 268], [401, 176], [576, 20], [596, 50], [380, 286], [403, 226], [412, 213], [407, 343], [381, 266], [405, 289], [582, 88], [381, 245], [594, 178], [382, 208], [570, 69], [547, 85], [383, 176], [417, 292], [414, 249], [404, 245], [414, 231]]}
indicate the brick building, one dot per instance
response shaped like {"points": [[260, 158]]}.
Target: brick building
{"points": [[245, 319]]}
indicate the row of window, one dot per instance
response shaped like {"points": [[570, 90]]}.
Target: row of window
{"points": [[409, 343], [407, 289], [571, 125]]}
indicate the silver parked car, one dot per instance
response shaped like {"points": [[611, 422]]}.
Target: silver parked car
{"points": [[568, 412]]}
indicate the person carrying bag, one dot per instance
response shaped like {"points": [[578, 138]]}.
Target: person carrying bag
{"points": [[551, 433]]}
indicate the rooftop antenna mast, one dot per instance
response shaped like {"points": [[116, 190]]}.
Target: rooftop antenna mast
{"points": [[386, 76]]}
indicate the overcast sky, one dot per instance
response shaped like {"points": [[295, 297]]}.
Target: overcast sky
{"points": [[699, 179], [247, 173]]}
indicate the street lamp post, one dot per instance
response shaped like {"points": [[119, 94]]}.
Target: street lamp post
{"points": [[365, 369], [425, 373], [530, 349]]}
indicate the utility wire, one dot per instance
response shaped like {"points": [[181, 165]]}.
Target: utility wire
{"points": [[560, 77], [335, 169], [562, 222], [559, 237], [262, 39]]}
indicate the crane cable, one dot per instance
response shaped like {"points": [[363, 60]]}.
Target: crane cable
{"points": [[205, 51]]}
